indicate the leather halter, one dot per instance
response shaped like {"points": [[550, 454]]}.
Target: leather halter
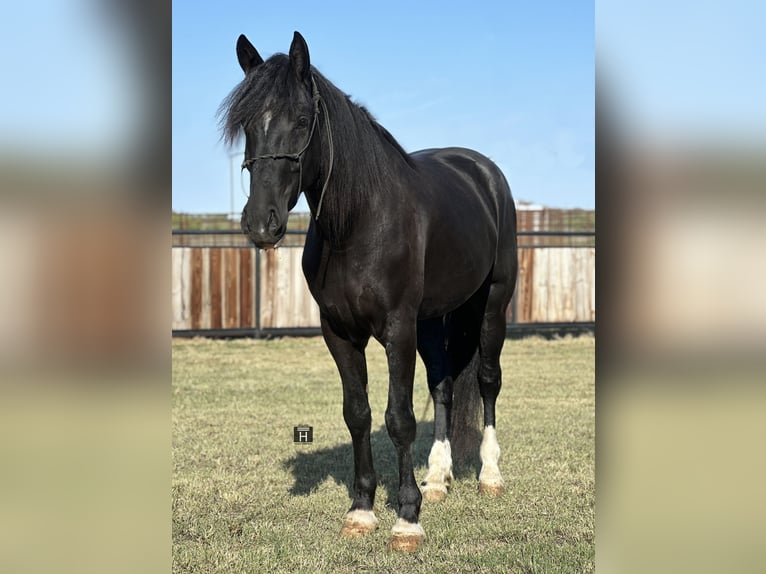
{"points": [[299, 155]]}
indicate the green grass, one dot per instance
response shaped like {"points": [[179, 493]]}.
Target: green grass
{"points": [[246, 499]]}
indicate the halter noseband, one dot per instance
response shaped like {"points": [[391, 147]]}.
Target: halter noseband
{"points": [[299, 156]]}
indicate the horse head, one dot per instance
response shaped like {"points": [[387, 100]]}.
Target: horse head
{"points": [[277, 108]]}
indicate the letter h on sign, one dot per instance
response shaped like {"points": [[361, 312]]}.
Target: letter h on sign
{"points": [[303, 434]]}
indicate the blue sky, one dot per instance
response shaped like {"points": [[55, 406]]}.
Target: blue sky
{"points": [[513, 80], [69, 87], [688, 72]]}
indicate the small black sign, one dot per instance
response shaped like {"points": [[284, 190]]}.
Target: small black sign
{"points": [[303, 434]]}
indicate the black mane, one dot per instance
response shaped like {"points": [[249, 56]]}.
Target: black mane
{"points": [[366, 155]]}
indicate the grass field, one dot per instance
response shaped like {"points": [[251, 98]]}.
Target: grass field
{"points": [[247, 499]]}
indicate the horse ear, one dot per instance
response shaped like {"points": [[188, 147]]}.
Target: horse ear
{"points": [[248, 56], [299, 57]]}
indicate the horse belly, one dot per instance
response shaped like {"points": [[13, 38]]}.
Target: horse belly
{"points": [[450, 281]]}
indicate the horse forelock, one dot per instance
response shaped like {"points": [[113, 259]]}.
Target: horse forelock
{"points": [[269, 88]]}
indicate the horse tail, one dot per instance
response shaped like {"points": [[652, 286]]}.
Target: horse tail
{"points": [[465, 429], [463, 332]]}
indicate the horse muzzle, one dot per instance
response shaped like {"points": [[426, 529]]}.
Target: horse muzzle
{"points": [[265, 235]]}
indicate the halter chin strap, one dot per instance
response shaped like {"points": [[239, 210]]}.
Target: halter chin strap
{"points": [[299, 156]]}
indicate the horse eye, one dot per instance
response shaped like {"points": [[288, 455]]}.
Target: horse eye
{"points": [[303, 122]]}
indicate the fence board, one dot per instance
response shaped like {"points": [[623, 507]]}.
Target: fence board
{"points": [[181, 288], [268, 274], [524, 292], [175, 269], [231, 288], [216, 297], [205, 320], [246, 283], [196, 288]]}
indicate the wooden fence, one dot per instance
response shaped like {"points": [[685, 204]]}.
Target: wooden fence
{"points": [[234, 288]]}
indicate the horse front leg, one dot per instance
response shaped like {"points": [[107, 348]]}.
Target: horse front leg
{"points": [[400, 344], [352, 365]]}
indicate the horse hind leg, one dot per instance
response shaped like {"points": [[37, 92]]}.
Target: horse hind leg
{"points": [[433, 351], [437, 481], [491, 342]]}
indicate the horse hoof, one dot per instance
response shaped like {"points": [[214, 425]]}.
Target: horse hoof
{"points": [[433, 493], [492, 488], [406, 537], [405, 543], [359, 523]]}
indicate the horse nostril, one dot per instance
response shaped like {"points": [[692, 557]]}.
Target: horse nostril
{"points": [[273, 224]]}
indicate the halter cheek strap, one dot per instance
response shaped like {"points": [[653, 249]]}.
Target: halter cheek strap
{"points": [[299, 156]]}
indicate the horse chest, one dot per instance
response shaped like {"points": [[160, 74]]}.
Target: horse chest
{"points": [[349, 296]]}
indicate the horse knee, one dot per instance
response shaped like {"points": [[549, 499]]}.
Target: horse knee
{"points": [[357, 420], [401, 427]]}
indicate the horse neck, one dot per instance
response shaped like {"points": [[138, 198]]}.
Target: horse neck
{"points": [[363, 179]]}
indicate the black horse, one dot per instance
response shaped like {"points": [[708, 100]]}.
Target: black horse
{"points": [[416, 250]]}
